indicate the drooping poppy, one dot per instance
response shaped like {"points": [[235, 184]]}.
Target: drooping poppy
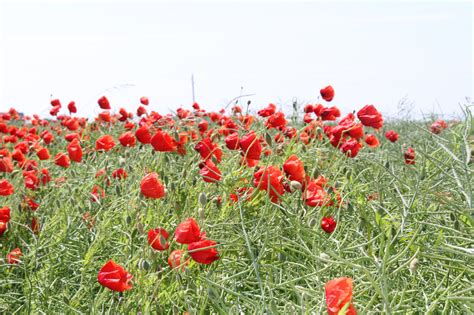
{"points": [[158, 239], [370, 117], [391, 135], [250, 146], [151, 187], [409, 156], [203, 252], [267, 111], [144, 100], [114, 277], [294, 169], [338, 294], [105, 143], [62, 159], [187, 232], [328, 224], [210, 172], [104, 103], [14, 256], [163, 142], [174, 260], [351, 147], [371, 140], [270, 180], [327, 93]]}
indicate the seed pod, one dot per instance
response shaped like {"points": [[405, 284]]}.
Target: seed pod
{"points": [[128, 220], [295, 185], [324, 256], [281, 257], [122, 161], [413, 265], [202, 199], [312, 222], [316, 173]]}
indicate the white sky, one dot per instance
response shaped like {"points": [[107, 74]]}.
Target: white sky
{"points": [[370, 52]]}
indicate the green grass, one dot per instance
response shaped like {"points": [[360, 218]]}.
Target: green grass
{"points": [[274, 258]]}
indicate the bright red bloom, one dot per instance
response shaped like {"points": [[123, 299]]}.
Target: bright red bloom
{"points": [[62, 159], [75, 151], [114, 277], [3, 227], [315, 195], [371, 140], [6, 164], [141, 111], [409, 156], [144, 100], [210, 172], [370, 117], [338, 294], [250, 146], [127, 139], [158, 239], [5, 214], [104, 103], [200, 252], [267, 111], [327, 93], [187, 232], [330, 113], [351, 147], [391, 135], [270, 179], [207, 148], [119, 173], [45, 177], [203, 125], [105, 143], [72, 107], [232, 141], [30, 179], [294, 169], [328, 224], [174, 260], [276, 120], [143, 135], [14, 256], [151, 187], [43, 154], [163, 142]]}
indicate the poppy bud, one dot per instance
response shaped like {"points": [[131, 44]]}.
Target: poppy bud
{"points": [[202, 199], [295, 185], [413, 265], [324, 256]]}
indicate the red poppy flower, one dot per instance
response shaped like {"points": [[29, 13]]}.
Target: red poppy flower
{"points": [[143, 135], [97, 193], [75, 151], [308, 108], [30, 179], [3, 227], [14, 256], [163, 142], [62, 159], [370, 117], [338, 294], [294, 169], [276, 120], [6, 164], [328, 224], [45, 177], [409, 156], [141, 111], [327, 93], [158, 239], [330, 113], [203, 125], [127, 139], [32, 204], [371, 140], [267, 111], [351, 147], [203, 252], [72, 107], [174, 260], [55, 102], [210, 172], [114, 277], [151, 187], [35, 226], [119, 173], [232, 141], [105, 143], [270, 179], [438, 126], [250, 146], [391, 135], [144, 100], [187, 232], [104, 103], [315, 195], [207, 148]]}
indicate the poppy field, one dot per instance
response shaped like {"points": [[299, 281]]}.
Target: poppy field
{"points": [[249, 209]]}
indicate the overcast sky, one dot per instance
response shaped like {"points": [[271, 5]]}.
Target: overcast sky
{"points": [[374, 52]]}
